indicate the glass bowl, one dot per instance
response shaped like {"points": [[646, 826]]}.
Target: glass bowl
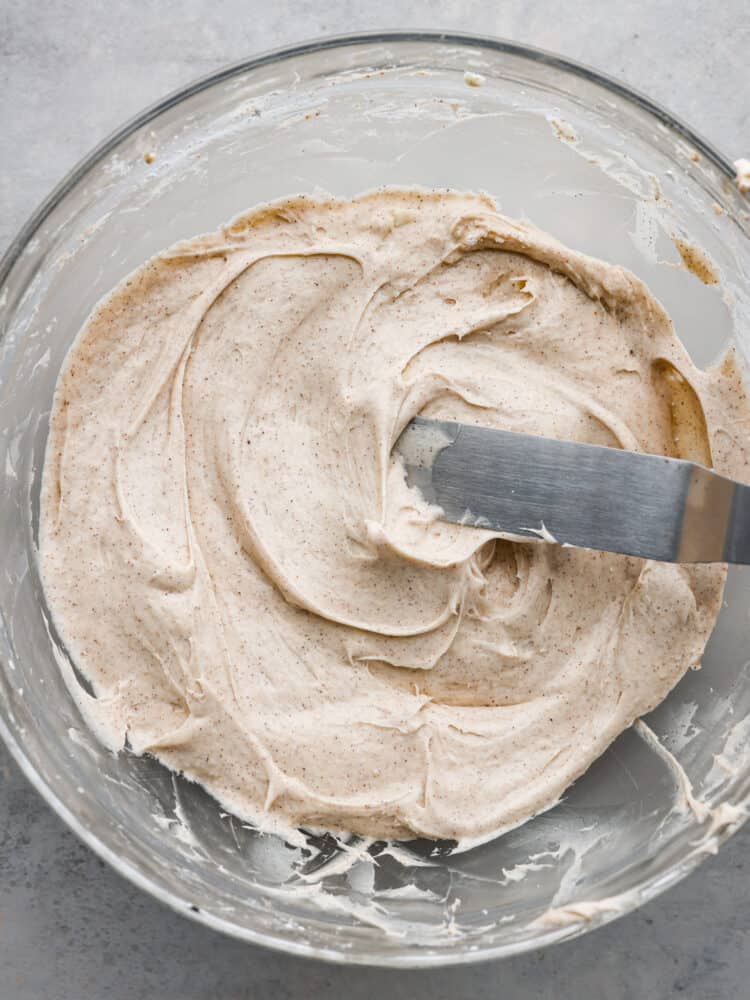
{"points": [[586, 159]]}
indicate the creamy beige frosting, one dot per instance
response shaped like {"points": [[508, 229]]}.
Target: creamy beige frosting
{"points": [[257, 599]]}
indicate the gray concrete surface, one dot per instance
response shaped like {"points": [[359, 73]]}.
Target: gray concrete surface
{"points": [[72, 70]]}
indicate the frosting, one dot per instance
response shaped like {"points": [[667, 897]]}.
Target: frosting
{"points": [[255, 596]]}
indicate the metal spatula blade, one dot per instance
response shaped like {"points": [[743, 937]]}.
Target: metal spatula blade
{"points": [[577, 494]]}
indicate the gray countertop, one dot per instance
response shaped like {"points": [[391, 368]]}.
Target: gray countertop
{"points": [[72, 70]]}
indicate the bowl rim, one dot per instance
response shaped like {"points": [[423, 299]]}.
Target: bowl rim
{"points": [[413, 956]]}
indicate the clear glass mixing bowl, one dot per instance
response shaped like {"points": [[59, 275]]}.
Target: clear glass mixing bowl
{"points": [[586, 159]]}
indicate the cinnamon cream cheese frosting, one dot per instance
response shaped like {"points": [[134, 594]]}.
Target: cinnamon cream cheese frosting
{"points": [[254, 595]]}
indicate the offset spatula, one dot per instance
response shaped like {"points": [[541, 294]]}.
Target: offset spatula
{"points": [[578, 494]]}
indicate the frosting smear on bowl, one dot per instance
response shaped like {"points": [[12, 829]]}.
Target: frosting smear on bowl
{"points": [[238, 569]]}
